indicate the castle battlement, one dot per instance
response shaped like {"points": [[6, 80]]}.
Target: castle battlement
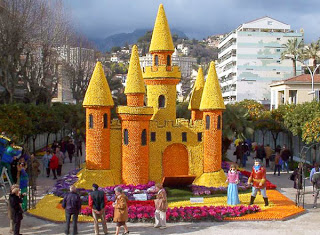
{"points": [[115, 124]]}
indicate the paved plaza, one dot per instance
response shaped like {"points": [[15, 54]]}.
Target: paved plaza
{"points": [[303, 224]]}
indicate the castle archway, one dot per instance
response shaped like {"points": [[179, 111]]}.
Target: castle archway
{"points": [[175, 160]]}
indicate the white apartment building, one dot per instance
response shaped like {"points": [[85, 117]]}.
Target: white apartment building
{"points": [[250, 59]]}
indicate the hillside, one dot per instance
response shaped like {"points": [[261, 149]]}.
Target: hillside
{"points": [[122, 38]]}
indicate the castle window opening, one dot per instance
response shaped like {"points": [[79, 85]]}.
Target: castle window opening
{"points": [[161, 101], [207, 122], [105, 120], [90, 121], [168, 60], [153, 136], [199, 136], [144, 137], [156, 60], [219, 122], [168, 134], [125, 137], [184, 136]]}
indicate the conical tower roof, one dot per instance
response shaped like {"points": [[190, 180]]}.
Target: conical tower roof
{"points": [[134, 79], [161, 37], [197, 91], [98, 92], [212, 96]]}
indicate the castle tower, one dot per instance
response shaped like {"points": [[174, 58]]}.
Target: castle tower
{"points": [[162, 77], [212, 106], [194, 104], [135, 119], [98, 102]]}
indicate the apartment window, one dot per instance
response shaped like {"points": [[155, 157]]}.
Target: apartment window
{"points": [[125, 137], [278, 73], [153, 136], [278, 50], [278, 61], [219, 123], [90, 121], [199, 136], [144, 137], [207, 122], [161, 101], [184, 136], [278, 39], [292, 96], [168, 135], [105, 120]]}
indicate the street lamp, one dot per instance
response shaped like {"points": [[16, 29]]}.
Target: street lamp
{"points": [[312, 73]]}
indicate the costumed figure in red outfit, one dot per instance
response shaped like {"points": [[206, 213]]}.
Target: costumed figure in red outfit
{"points": [[258, 181]]}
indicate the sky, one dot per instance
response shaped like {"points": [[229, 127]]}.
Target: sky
{"points": [[196, 18]]}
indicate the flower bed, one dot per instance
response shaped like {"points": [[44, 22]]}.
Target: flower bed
{"points": [[144, 212]]}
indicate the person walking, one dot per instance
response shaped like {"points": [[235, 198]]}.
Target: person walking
{"points": [[120, 210], [314, 170], [10, 208], [33, 170], [239, 152], [60, 156], [268, 150], [70, 150], [260, 153], [16, 210], [23, 183], [72, 205], [8, 156], [161, 206], [246, 153], [46, 161], [316, 182], [285, 154], [277, 165], [98, 202], [54, 163]]}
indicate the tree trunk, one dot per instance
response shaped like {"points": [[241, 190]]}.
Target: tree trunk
{"points": [[34, 143], [48, 136], [294, 67]]}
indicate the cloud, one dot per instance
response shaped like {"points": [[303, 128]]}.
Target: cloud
{"points": [[197, 18]]}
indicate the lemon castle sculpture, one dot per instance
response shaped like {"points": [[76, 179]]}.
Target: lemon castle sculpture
{"points": [[148, 142]]}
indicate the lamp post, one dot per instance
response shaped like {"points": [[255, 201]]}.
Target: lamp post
{"points": [[312, 73]]}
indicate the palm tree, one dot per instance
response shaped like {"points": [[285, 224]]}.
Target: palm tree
{"points": [[312, 52], [293, 51]]}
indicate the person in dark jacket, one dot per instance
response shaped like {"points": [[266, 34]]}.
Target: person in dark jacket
{"points": [[72, 205], [97, 202], [261, 153], [285, 154], [16, 210], [70, 150]]}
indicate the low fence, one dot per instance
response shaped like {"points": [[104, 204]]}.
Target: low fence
{"points": [[41, 140]]}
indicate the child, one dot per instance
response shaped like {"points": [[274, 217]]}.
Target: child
{"points": [[277, 163], [233, 179]]}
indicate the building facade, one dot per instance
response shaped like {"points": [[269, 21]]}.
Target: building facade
{"points": [[295, 90], [250, 59]]}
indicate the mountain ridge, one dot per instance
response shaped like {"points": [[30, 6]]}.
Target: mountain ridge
{"points": [[120, 39]]}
